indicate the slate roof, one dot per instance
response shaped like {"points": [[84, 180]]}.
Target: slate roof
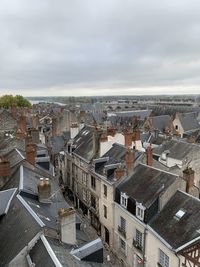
{"points": [[146, 184], [15, 157], [160, 122], [66, 259], [18, 228], [174, 231], [115, 155], [7, 122], [7, 143], [176, 149], [40, 256], [84, 143], [139, 113], [188, 121], [57, 144], [5, 200]]}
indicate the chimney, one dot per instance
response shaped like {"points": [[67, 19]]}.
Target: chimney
{"points": [[22, 123], [74, 130], [14, 111], [35, 135], [44, 190], [96, 140], [35, 121], [188, 176], [119, 172], [54, 126], [4, 167], [28, 139], [20, 134], [103, 137], [128, 136], [82, 115], [31, 153], [67, 218], [129, 159], [137, 135], [149, 156]]}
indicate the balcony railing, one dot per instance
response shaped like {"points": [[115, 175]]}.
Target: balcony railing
{"points": [[121, 231]]}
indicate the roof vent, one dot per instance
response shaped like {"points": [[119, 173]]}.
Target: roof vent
{"points": [[180, 214]]}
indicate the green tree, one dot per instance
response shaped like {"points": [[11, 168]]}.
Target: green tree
{"points": [[7, 101]]}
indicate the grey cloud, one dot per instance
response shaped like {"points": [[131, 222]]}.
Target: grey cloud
{"points": [[119, 46]]}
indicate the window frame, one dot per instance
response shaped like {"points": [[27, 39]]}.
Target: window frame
{"points": [[124, 200], [163, 258]]}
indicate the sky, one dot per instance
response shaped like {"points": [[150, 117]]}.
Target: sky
{"points": [[99, 47]]}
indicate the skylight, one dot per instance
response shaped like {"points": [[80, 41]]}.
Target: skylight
{"points": [[180, 214]]}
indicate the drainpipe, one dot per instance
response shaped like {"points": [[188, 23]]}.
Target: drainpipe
{"points": [[144, 249]]}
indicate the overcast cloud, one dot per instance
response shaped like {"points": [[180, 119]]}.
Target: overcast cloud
{"points": [[99, 47]]}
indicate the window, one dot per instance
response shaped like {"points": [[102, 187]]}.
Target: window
{"points": [[105, 190], [93, 202], [122, 226], [84, 178], [124, 200], [84, 195], [93, 182], [122, 244], [105, 211], [140, 211], [176, 127], [138, 241], [163, 259]]}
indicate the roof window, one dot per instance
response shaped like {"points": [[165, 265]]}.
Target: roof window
{"points": [[180, 214]]}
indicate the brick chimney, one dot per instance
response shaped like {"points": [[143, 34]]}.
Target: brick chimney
{"points": [[137, 135], [14, 111], [35, 135], [96, 140], [20, 134], [103, 137], [44, 190], [22, 123], [119, 172], [31, 152], [4, 167], [82, 115], [188, 176], [149, 156], [128, 136], [35, 121], [54, 126], [129, 159], [67, 219]]}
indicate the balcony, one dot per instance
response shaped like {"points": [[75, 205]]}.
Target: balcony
{"points": [[137, 245], [121, 231]]}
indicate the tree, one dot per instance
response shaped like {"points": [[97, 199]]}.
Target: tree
{"points": [[7, 101]]}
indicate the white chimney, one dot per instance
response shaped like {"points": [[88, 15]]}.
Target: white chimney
{"points": [[67, 218], [74, 130]]}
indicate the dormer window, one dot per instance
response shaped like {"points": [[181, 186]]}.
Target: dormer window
{"points": [[140, 211], [124, 200]]}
